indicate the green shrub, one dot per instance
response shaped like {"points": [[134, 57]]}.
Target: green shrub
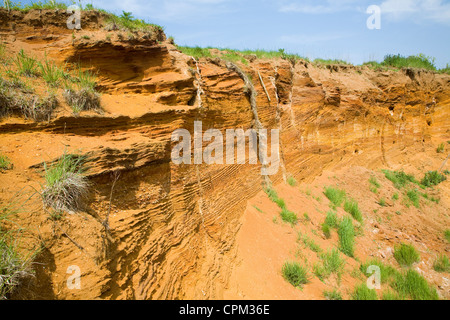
{"points": [[447, 234], [362, 292], [442, 264], [332, 220], [399, 178], [289, 216], [441, 148], [331, 263], [272, 194], [336, 196], [418, 61], [351, 206], [415, 286], [280, 203], [414, 197], [326, 231], [291, 181], [5, 163], [332, 295], [406, 255], [395, 197], [433, 178], [346, 234], [295, 274], [65, 184]]}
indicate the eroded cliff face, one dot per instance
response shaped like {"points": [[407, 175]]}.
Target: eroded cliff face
{"points": [[172, 228]]}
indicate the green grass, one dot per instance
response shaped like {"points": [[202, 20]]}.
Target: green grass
{"points": [[26, 65], [330, 61], [413, 285], [346, 234], [295, 274], [441, 148], [390, 295], [326, 231], [5, 163], [331, 263], [447, 235], [395, 196], [280, 203], [291, 181], [406, 255], [51, 74], [373, 181], [336, 196], [65, 183], [442, 264], [433, 178], [415, 61], [332, 295], [308, 242], [271, 193], [289, 216], [399, 178], [332, 220], [258, 209], [414, 196], [362, 292], [15, 266], [352, 207]]}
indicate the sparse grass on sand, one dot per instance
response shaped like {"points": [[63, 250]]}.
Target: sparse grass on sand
{"points": [[332, 295], [331, 263], [406, 255], [295, 273]]}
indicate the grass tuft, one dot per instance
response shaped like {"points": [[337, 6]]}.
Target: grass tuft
{"points": [[433, 178], [346, 234], [406, 255], [351, 206], [66, 186], [415, 286], [5, 163], [442, 264], [332, 295], [399, 178], [295, 274], [336, 196]]}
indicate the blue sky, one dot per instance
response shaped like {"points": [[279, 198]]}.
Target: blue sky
{"points": [[322, 28]]}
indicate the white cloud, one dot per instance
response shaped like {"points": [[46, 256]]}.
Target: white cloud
{"points": [[166, 10], [319, 7], [416, 10]]}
